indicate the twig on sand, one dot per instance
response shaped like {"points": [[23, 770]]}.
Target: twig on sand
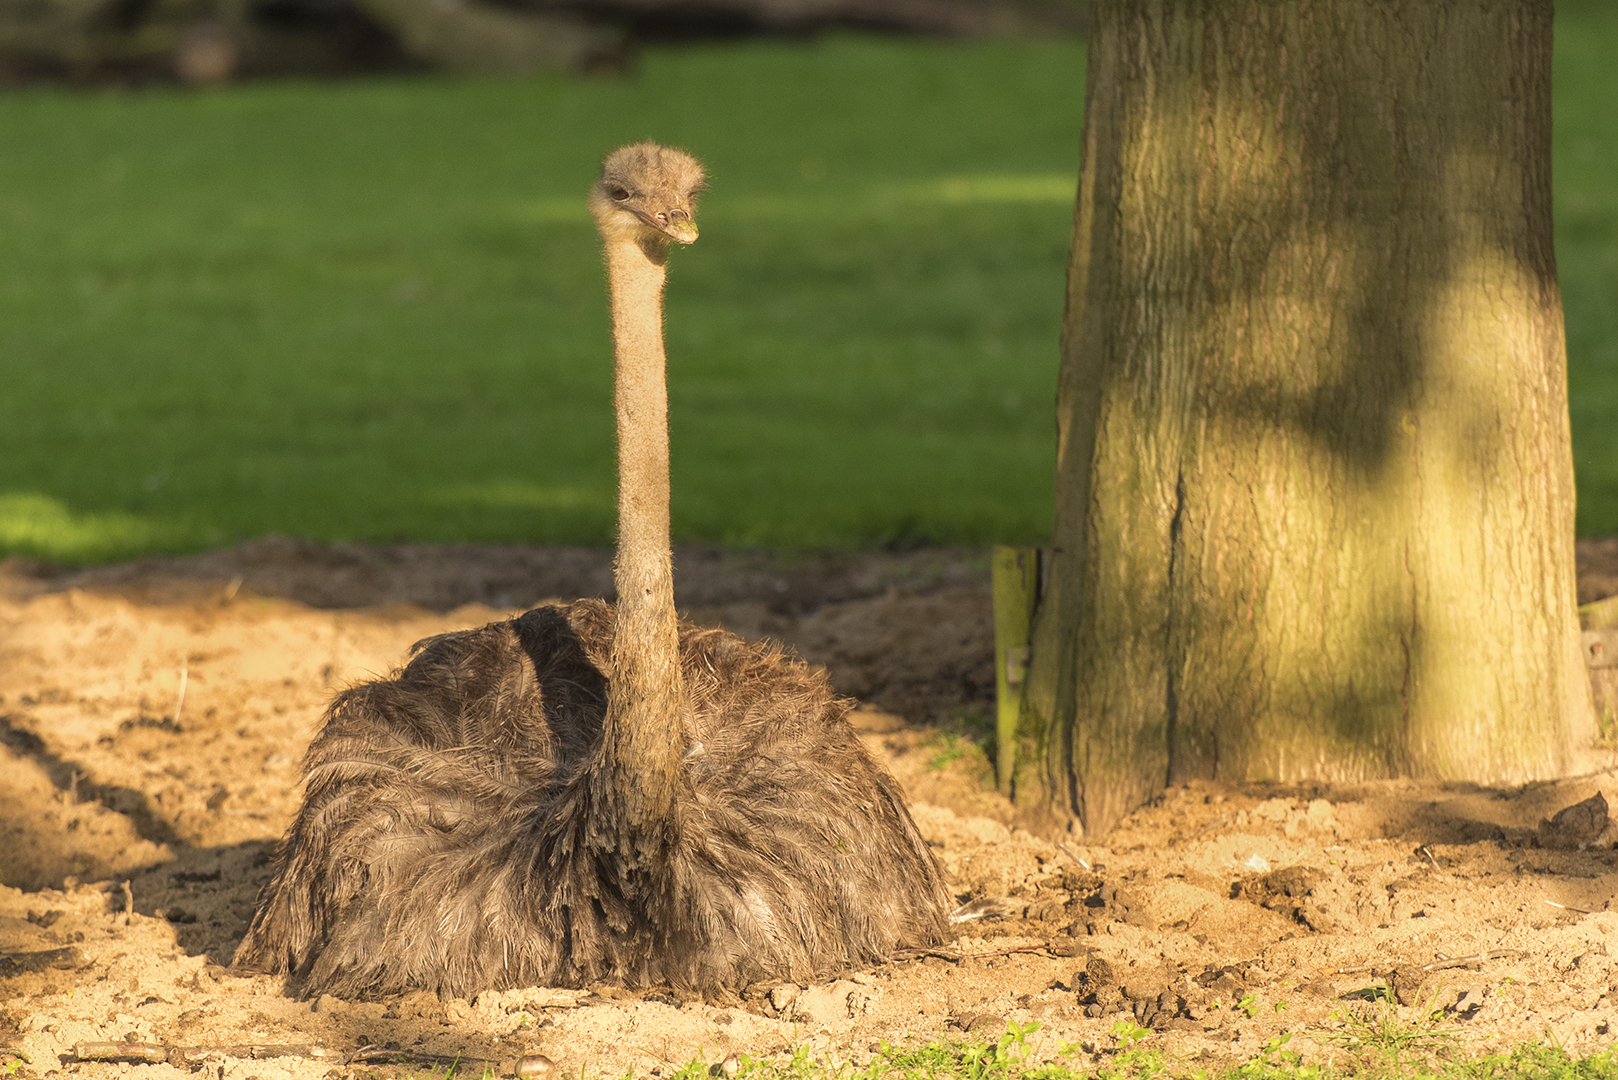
{"points": [[1439, 965], [184, 1056], [158, 1053], [918, 954], [1564, 907], [1065, 850], [179, 702], [129, 903], [955, 957], [1475, 958]]}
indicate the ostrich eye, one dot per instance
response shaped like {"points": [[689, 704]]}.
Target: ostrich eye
{"points": [[619, 194]]}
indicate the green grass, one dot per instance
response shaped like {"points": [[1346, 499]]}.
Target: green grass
{"points": [[1585, 177], [374, 310], [1369, 1051]]}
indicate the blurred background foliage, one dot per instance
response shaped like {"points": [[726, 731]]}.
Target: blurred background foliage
{"points": [[213, 41], [372, 308]]}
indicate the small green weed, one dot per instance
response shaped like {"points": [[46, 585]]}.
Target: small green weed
{"points": [[1275, 1062], [1532, 1061], [1387, 1042], [999, 1058], [1136, 1063], [695, 1069], [1007, 1057], [965, 742], [947, 748], [451, 1072]]}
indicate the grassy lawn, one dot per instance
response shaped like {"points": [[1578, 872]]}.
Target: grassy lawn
{"points": [[374, 310], [1585, 175]]}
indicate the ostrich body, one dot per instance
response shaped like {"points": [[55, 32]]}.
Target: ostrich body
{"points": [[589, 793]]}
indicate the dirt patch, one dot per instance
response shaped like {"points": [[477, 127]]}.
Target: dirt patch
{"points": [[1218, 917]]}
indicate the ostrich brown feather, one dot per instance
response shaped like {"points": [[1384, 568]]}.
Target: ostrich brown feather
{"points": [[590, 793]]}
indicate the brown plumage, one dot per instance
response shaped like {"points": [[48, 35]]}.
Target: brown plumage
{"points": [[597, 794]]}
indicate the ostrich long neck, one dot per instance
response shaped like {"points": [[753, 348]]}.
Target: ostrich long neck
{"points": [[643, 740]]}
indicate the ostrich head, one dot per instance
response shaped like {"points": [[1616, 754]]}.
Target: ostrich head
{"points": [[647, 193]]}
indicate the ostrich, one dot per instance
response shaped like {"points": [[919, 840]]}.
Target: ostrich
{"points": [[589, 793]]}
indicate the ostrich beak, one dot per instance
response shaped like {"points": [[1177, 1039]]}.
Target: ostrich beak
{"points": [[674, 224], [682, 229]]}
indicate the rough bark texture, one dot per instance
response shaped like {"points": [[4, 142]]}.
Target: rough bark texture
{"points": [[1315, 490]]}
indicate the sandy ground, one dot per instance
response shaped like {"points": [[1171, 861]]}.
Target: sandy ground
{"points": [[1218, 917]]}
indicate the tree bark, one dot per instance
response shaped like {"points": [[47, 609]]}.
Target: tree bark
{"points": [[1315, 488]]}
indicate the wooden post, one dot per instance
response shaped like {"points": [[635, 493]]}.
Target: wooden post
{"points": [[1016, 592]]}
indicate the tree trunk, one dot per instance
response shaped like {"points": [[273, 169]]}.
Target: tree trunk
{"points": [[1314, 484]]}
